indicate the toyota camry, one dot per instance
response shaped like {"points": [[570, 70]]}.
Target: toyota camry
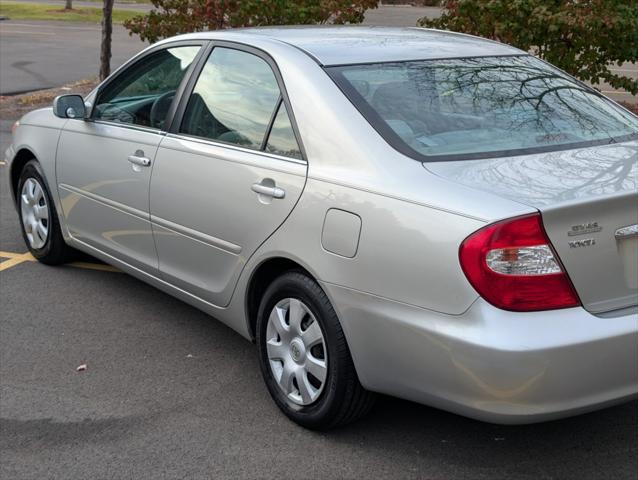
{"points": [[410, 212]]}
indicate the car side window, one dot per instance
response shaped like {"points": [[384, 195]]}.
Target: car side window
{"points": [[234, 100], [281, 139], [142, 94]]}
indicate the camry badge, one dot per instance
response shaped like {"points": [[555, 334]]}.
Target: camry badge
{"points": [[584, 228]]}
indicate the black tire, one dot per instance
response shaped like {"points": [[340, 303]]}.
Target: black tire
{"points": [[54, 251], [343, 399]]}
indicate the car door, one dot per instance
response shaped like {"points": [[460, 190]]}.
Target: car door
{"points": [[227, 175], [104, 163]]}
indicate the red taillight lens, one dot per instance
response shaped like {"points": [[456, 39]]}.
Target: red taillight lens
{"points": [[512, 265]]}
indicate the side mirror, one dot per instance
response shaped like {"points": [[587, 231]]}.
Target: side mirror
{"points": [[69, 106]]}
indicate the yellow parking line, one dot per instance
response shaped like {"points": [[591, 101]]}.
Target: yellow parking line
{"points": [[14, 255], [14, 259]]}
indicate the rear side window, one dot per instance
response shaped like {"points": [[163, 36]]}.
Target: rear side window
{"points": [[142, 94], [455, 109], [281, 139], [237, 100]]}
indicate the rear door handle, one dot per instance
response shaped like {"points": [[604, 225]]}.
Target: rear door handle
{"points": [[274, 192], [139, 159]]}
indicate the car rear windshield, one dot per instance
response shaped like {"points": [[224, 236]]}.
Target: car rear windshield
{"points": [[480, 107]]}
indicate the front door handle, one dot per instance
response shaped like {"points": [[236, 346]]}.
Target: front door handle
{"points": [[268, 189], [139, 159]]}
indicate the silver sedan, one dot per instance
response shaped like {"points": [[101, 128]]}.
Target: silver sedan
{"points": [[418, 213]]}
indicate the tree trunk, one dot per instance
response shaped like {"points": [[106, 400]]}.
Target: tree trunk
{"points": [[68, 5], [107, 34]]}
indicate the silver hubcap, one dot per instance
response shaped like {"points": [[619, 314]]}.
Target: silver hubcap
{"points": [[35, 213], [296, 351]]}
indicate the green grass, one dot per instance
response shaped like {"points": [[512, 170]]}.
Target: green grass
{"points": [[40, 11]]}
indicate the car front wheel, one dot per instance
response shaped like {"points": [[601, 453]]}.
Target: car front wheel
{"points": [[304, 356], [38, 217]]}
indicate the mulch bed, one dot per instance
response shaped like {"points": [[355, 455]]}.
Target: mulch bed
{"points": [[12, 107]]}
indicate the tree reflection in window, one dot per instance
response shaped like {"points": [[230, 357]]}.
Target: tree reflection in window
{"points": [[482, 105]]}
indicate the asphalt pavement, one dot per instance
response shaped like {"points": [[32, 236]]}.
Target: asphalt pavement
{"points": [[37, 55]]}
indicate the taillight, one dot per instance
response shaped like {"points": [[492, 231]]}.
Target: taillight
{"points": [[512, 265]]}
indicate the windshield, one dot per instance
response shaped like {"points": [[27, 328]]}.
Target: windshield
{"points": [[481, 107]]}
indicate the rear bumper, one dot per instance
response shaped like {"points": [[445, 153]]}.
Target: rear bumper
{"points": [[489, 364]]}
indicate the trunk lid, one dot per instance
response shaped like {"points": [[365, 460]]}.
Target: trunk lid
{"points": [[588, 199]]}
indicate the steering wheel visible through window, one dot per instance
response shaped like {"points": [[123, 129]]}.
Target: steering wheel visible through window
{"points": [[142, 94]]}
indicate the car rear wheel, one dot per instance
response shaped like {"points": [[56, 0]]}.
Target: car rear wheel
{"points": [[39, 218], [304, 356]]}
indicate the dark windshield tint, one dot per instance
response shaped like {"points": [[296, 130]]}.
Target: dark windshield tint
{"points": [[481, 107]]}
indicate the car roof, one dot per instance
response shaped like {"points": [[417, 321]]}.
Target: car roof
{"points": [[343, 45]]}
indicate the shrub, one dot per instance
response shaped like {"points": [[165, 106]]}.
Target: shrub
{"points": [[172, 17], [583, 37]]}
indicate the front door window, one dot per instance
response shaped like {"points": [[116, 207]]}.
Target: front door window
{"points": [[142, 94]]}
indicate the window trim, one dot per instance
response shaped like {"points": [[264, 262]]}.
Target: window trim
{"points": [[271, 122], [203, 44], [178, 117], [335, 72], [233, 146]]}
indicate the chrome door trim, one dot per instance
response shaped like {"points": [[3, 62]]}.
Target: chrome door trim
{"points": [[130, 126], [104, 201], [126, 126], [230, 146], [196, 235], [627, 232]]}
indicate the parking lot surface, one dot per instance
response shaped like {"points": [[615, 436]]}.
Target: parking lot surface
{"points": [[38, 55], [169, 392]]}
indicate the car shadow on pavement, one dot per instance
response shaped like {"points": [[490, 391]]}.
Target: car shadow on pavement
{"points": [[603, 441]]}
